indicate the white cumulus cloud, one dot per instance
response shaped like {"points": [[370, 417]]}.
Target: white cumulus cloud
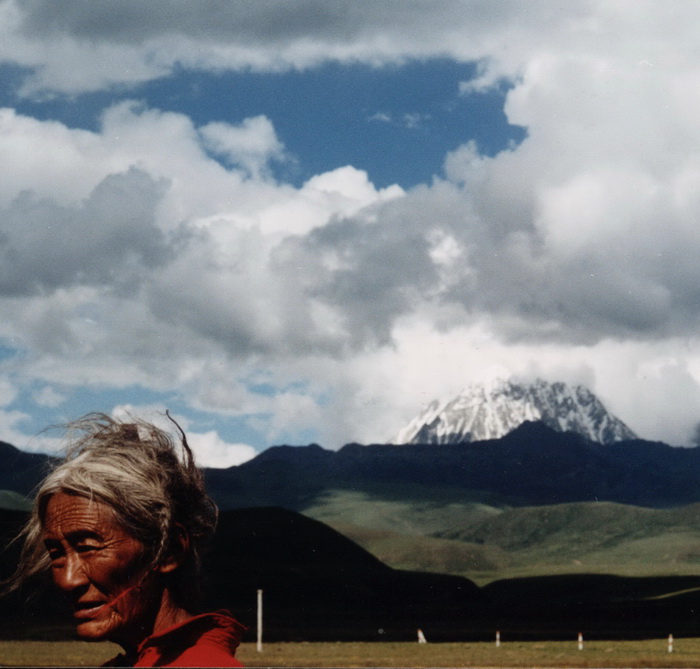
{"points": [[159, 252]]}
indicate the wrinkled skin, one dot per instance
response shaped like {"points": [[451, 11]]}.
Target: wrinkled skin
{"points": [[100, 567]]}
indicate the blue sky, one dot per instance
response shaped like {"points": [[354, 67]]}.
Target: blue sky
{"points": [[296, 222], [396, 122]]}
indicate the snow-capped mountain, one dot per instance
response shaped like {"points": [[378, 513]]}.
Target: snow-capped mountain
{"points": [[490, 411]]}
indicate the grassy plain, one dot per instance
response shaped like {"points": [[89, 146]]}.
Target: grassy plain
{"points": [[648, 653]]}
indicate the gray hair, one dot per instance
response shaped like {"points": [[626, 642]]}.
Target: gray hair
{"points": [[147, 478]]}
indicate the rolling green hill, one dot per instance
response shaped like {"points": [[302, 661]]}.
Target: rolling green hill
{"points": [[487, 543], [9, 499]]}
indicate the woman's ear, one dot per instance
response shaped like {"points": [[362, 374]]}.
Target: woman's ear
{"points": [[177, 552]]}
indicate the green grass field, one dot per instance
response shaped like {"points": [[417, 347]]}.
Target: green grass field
{"points": [[648, 653], [486, 542]]}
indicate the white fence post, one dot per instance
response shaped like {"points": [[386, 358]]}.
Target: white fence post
{"points": [[580, 641], [260, 620], [498, 639], [670, 643]]}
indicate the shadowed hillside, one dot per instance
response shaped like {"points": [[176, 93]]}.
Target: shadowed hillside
{"points": [[596, 605], [318, 585], [21, 471]]}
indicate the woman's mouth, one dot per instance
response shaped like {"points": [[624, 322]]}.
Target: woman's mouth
{"points": [[85, 610]]}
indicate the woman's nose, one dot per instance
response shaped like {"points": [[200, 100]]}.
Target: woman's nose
{"points": [[72, 575]]}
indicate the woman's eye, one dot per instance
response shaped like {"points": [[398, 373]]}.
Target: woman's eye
{"points": [[86, 548], [54, 551]]}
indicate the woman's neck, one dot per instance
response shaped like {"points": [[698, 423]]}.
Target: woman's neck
{"points": [[165, 614], [169, 614]]}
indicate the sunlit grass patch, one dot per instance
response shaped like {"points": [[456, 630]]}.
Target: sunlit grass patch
{"points": [[651, 653]]}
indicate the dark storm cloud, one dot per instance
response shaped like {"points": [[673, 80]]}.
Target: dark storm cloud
{"points": [[74, 46], [375, 268], [109, 238], [369, 273], [248, 21]]}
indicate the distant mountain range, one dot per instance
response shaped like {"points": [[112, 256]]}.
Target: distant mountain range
{"points": [[492, 410], [535, 501], [532, 465]]}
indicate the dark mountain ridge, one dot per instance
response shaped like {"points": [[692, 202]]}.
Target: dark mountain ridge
{"points": [[532, 465], [21, 471]]}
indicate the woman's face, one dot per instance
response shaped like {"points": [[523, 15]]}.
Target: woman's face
{"points": [[99, 566]]}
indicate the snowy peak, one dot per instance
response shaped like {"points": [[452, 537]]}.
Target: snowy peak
{"points": [[493, 410]]}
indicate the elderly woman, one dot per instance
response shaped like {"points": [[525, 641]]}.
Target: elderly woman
{"points": [[122, 523]]}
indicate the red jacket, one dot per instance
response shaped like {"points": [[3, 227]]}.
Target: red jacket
{"points": [[207, 640]]}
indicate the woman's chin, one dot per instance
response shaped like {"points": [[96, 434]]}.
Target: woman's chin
{"points": [[87, 632], [94, 629]]}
